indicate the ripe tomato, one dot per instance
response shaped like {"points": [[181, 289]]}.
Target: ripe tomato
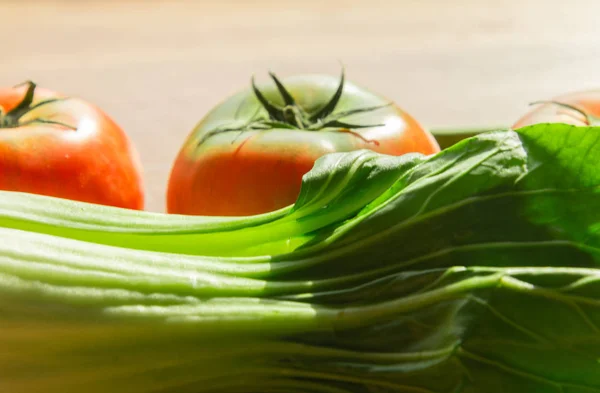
{"points": [[65, 147], [578, 108], [249, 154]]}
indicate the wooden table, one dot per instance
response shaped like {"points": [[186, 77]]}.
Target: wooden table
{"points": [[158, 66]]}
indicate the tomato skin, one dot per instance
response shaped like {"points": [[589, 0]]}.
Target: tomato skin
{"points": [[587, 102], [89, 159], [250, 172]]}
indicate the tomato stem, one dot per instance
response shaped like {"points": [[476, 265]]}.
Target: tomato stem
{"points": [[11, 119], [287, 97], [45, 121], [23, 106], [294, 116], [274, 112], [328, 108]]}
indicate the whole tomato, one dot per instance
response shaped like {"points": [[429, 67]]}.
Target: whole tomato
{"points": [[578, 108], [248, 155], [65, 147]]}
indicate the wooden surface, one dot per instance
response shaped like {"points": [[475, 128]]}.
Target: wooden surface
{"points": [[157, 67]]}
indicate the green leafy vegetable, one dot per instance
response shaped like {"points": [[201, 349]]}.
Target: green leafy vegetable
{"points": [[473, 270]]}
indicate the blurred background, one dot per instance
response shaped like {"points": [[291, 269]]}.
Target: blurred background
{"points": [[158, 66]]}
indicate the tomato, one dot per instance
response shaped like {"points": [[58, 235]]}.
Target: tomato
{"points": [[248, 155], [579, 108], [60, 146]]}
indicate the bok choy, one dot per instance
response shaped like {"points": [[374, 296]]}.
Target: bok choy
{"points": [[474, 270]]}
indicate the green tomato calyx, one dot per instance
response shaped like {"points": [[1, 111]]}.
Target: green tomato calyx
{"points": [[12, 118], [293, 116], [590, 119]]}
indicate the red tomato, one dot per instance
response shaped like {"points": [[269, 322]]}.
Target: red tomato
{"points": [[65, 147], [249, 154], [578, 108]]}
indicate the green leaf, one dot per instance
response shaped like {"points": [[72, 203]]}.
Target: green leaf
{"points": [[565, 158]]}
